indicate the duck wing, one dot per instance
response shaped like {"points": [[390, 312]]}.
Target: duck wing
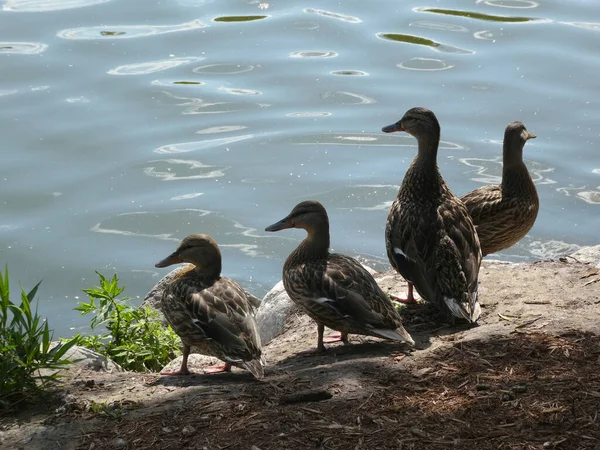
{"points": [[411, 234], [219, 314], [457, 259], [340, 289]]}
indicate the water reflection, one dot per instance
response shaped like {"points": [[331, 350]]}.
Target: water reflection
{"points": [[185, 147], [370, 139], [309, 114], [439, 26], [332, 15], [474, 15], [582, 193], [180, 82], [187, 196], [313, 54], [425, 64], [221, 129], [347, 98], [409, 39], [22, 48], [47, 5], [80, 99], [552, 249], [153, 66], [127, 31], [239, 91], [357, 73], [306, 25], [133, 223], [489, 171], [516, 4], [595, 26], [223, 69], [189, 170], [238, 18]]}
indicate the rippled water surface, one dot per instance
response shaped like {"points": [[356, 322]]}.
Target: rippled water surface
{"points": [[127, 125]]}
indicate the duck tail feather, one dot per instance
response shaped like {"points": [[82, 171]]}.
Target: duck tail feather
{"points": [[255, 367], [399, 334]]}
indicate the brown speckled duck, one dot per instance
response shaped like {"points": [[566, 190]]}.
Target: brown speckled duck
{"points": [[430, 237], [210, 312], [335, 290], [504, 214]]}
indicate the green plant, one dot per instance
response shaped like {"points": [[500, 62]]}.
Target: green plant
{"points": [[26, 348], [136, 338]]}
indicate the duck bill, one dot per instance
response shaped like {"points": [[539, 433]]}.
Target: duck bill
{"points": [[173, 258], [531, 136], [392, 128], [281, 225]]}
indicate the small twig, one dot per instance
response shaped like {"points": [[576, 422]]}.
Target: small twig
{"points": [[533, 302], [524, 324]]}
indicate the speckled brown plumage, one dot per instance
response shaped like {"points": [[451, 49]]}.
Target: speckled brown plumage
{"points": [[334, 289], [430, 238], [208, 311], [504, 214]]}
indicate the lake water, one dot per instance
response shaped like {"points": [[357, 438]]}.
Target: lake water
{"points": [[127, 125]]}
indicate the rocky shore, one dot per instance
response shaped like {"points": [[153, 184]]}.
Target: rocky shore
{"points": [[525, 378]]}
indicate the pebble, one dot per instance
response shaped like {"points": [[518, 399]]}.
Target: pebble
{"points": [[119, 443]]}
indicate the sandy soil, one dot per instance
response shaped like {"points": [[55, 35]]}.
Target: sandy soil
{"points": [[528, 377]]}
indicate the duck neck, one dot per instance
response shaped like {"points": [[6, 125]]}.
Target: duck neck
{"points": [[423, 176], [209, 270], [314, 247], [427, 155], [515, 176]]}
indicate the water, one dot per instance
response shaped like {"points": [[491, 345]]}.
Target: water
{"points": [[128, 125]]}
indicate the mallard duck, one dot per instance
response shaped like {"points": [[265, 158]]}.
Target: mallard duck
{"points": [[333, 289], [504, 214], [210, 312], [430, 237]]}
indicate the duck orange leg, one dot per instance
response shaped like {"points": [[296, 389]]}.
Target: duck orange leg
{"points": [[183, 370], [410, 298]]}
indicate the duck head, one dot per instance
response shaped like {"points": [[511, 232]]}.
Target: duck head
{"points": [[197, 249], [309, 215], [515, 137], [516, 132], [418, 122]]}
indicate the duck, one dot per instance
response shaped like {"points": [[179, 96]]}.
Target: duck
{"points": [[210, 312], [335, 290], [503, 214], [430, 237]]}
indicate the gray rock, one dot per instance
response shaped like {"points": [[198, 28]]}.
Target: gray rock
{"points": [[588, 255], [274, 310], [196, 362], [84, 358]]}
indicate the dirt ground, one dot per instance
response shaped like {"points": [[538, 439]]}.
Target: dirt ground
{"points": [[528, 377]]}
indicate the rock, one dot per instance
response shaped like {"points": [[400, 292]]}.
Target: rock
{"points": [[273, 313], [85, 358], [195, 363], [588, 255], [188, 430], [118, 443]]}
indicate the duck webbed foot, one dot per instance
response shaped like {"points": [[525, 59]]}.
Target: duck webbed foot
{"points": [[217, 369], [336, 337], [410, 298]]}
